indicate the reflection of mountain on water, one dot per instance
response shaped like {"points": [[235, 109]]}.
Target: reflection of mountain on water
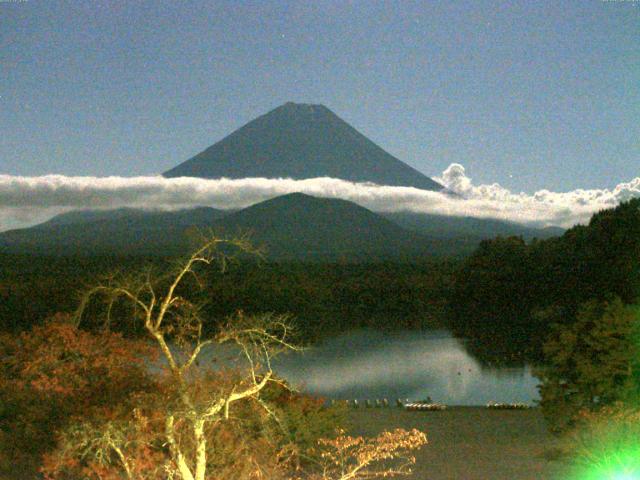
{"points": [[371, 364]]}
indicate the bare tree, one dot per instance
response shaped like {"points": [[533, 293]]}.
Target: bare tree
{"points": [[175, 430], [174, 323]]}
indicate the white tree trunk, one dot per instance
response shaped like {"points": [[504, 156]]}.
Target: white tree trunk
{"points": [[201, 448], [176, 453]]}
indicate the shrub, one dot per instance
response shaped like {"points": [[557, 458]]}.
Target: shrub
{"points": [[590, 363]]}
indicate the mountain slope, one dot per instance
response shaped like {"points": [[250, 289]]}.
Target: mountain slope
{"points": [[440, 226], [299, 226], [301, 141], [122, 231], [290, 227]]}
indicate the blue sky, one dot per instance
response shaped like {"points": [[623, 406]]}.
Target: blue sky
{"points": [[528, 94]]}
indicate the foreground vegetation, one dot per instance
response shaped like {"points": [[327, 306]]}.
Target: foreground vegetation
{"points": [[92, 404], [573, 303], [568, 304]]}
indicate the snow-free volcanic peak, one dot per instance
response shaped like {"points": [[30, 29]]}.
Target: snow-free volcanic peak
{"points": [[298, 140]]}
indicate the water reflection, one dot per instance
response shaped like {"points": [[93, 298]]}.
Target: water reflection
{"points": [[414, 365]]}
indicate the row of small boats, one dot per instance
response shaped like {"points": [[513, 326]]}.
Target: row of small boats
{"points": [[425, 405]]}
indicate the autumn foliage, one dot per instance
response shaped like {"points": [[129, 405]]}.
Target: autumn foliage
{"points": [[96, 405], [77, 404], [350, 458], [55, 375]]}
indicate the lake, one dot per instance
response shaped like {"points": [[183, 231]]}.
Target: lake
{"points": [[369, 364]]}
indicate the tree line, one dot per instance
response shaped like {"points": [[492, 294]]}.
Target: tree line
{"points": [[509, 294], [571, 304], [325, 298], [503, 298]]}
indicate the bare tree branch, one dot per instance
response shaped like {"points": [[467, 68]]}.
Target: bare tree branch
{"points": [[172, 320]]}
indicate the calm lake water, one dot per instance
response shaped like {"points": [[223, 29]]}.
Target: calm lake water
{"points": [[367, 364]]}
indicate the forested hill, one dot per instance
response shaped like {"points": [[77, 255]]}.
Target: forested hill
{"points": [[301, 227], [112, 232], [519, 289], [293, 227], [503, 299], [442, 226], [290, 227]]}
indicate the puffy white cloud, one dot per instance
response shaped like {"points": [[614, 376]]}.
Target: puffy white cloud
{"points": [[540, 208], [28, 200]]}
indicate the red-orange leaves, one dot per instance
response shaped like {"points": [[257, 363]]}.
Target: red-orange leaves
{"points": [[53, 375], [59, 359], [387, 455]]}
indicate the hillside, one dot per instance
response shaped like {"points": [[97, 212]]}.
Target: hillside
{"points": [[120, 231], [290, 227], [299, 226], [441, 226]]}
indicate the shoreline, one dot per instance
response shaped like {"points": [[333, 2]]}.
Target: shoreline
{"points": [[470, 442]]}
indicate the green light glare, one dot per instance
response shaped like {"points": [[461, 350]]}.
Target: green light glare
{"points": [[626, 476], [620, 465]]}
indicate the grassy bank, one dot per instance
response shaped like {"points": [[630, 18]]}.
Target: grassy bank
{"points": [[471, 443]]}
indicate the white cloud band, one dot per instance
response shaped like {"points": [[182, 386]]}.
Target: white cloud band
{"points": [[28, 200]]}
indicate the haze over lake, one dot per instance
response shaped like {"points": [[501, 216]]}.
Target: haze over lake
{"points": [[408, 364]]}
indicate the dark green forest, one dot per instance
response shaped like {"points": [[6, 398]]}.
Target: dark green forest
{"points": [[324, 298], [504, 298], [508, 294]]}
